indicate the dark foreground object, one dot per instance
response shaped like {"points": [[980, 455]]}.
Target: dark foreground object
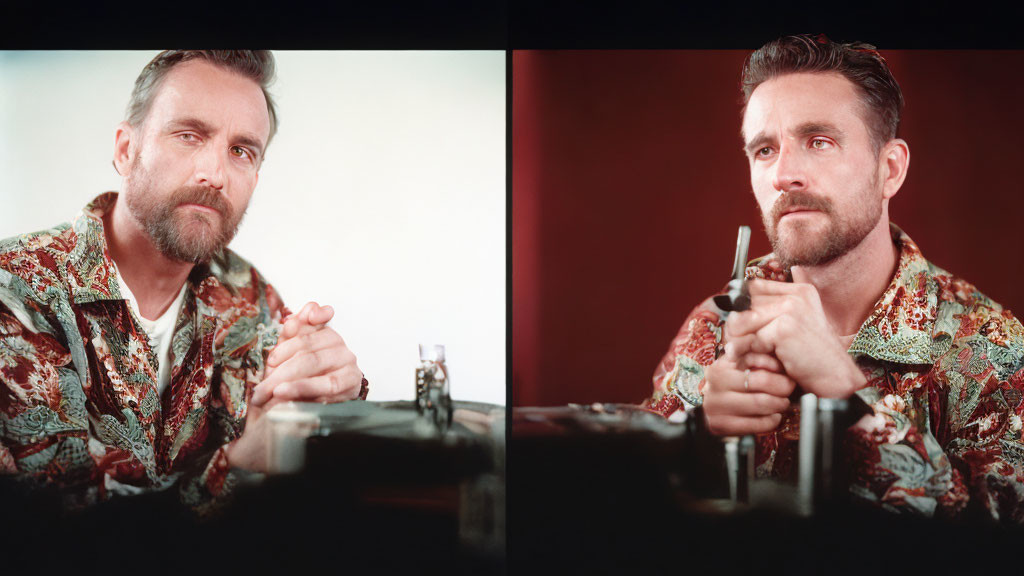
{"points": [[621, 494], [374, 501]]}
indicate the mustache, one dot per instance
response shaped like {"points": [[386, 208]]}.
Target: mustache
{"points": [[800, 199], [202, 196]]}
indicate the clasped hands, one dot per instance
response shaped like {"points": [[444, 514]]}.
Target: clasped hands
{"points": [[309, 363], [784, 341]]}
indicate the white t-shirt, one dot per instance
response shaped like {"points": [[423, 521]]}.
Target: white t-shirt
{"points": [[159, 331]]}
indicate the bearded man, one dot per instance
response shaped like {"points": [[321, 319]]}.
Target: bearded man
{"points": [[136, 351], [846, 304]]}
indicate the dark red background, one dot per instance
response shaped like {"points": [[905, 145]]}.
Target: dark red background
{"points": [[628, 185]]}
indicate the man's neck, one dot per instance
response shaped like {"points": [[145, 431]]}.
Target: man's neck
{"points": [[154, 279], [850, 286]]}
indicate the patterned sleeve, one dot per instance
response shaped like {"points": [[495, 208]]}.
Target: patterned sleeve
{"points": [[898, 464], [209, 487], [679, 377], [988, 447], [948, 443], [43, 424]]}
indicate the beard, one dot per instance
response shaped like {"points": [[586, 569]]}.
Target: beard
{"points": [[182, 235], [796, 245]]}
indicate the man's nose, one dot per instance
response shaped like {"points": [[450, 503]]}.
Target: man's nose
{"points": [[210, 167], [790, 171]]}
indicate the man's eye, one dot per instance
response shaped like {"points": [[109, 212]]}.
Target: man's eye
{"points": [[820, 144], [766, 151], [187, 137], [240, 152]]}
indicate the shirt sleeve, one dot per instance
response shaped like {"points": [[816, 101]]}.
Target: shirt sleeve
{"points": [[679, 378], [898, 464], [43, 423], [948, 448], [208, 487]]}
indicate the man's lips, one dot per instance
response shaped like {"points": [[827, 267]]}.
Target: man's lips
{"points": [[798, 210], [201, 208]]}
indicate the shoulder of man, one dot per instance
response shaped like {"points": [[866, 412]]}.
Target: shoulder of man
{"points": [[233, 271], [34, 265], [242, 280], [964, 314], [46, 249]]}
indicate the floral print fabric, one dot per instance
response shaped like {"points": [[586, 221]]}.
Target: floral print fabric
{"points": [[945, 371], [79, 408]]}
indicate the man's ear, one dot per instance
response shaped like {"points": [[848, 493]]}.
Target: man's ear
{"points": [[895, 159], [124, 140]]}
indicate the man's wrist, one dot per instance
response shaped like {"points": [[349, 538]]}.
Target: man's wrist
{"points": [[856, 380], [231, 454], [248, 451], [851, 380]]}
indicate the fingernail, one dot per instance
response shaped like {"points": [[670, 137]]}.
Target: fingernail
{"points": [[728, 348]]}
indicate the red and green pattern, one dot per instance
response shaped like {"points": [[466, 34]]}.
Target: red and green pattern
{"points": [[945, 370], [78, 399]]}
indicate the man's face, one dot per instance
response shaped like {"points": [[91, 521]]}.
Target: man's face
{"points": [[812, 166], [194, 159]]}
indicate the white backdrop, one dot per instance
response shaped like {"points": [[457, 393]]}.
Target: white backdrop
{"points": [[383, 193]]}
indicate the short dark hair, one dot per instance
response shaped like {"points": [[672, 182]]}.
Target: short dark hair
{"points": [[257, 65], [858, 62]]}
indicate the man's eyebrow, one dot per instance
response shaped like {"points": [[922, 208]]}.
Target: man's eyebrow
{"points": [[757, 142], [190, 123], [250, 141], [812, 128], [203, 128], [803, 130]]}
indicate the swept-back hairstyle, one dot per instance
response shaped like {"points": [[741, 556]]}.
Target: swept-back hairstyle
{"points": [[257, 65], [858, 62]]}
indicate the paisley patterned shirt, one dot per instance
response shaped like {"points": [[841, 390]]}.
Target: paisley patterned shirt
{"points": [[945, 371], [79, 408]]}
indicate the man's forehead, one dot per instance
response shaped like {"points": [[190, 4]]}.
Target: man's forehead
{"points": [[797, 99], [197, 88]]}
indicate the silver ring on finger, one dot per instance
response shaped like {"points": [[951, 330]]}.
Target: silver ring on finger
{"points": [[746, 379]]}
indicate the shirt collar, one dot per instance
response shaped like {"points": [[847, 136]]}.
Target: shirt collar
{"points": [[899, 328], [92, 274]]}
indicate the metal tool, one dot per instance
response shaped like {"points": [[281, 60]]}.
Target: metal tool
{"points": [[824, 475], [739, 452], [737, 298]]}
